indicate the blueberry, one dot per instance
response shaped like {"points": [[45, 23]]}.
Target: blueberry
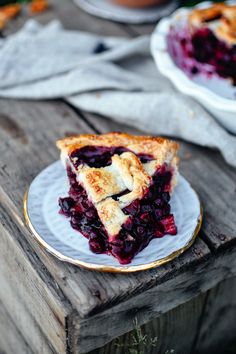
{"points": [[166, 196], [97, 246], [194, 70], [66, 204]]}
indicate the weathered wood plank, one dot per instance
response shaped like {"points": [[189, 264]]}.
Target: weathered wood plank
{"points": [[174, 330], [204, 325], [215, 183], [31, 129], [10, 337], [31, 296], [200, 166], [218, 320]]}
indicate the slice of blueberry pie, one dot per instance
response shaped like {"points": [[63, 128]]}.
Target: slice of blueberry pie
{"points": [[205, 41], [120, 188]]}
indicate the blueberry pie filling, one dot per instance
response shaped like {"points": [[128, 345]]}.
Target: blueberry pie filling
{"points": [[206, 42], [120, 190]]}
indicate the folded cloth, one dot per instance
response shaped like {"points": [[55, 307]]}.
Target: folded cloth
{"points": [[114, 77]]}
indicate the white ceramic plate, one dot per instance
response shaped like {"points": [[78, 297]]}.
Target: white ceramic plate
{"points": [[106, 9], [54, 233], [216, 94]]}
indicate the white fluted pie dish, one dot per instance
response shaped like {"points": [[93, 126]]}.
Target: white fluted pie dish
{"points": [[216, 94]]}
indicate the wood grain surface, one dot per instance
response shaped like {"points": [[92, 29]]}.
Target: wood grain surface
{"points": [[7, 326]]}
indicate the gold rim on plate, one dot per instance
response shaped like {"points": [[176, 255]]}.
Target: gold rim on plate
{"points": [[105, 268]]}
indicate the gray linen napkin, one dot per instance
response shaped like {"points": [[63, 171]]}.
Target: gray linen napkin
{"points": [[111, 76]]}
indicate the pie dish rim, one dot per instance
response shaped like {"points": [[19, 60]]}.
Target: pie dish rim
{"points": [[109, 268]]}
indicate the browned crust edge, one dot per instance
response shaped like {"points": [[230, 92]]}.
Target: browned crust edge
{"points": [[226, 30], [139, 144]]}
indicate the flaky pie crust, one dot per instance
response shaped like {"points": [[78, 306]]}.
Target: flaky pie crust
{"points": [[226, 17], [160, 148]]}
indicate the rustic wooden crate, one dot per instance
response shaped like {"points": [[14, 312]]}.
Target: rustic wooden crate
{"points": [[52, 307]]}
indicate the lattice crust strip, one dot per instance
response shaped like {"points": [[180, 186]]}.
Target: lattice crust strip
{"points": [[125, 173]]}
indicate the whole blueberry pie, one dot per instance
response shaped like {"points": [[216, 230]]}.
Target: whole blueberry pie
{"points": [[206, 42], [120, 189]]}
